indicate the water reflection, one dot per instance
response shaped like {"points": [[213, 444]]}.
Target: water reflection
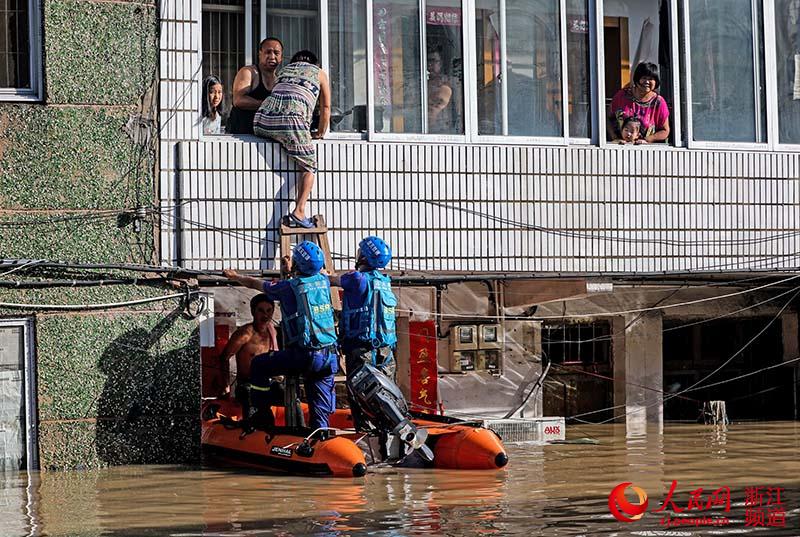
{"points": [[546, 490]]}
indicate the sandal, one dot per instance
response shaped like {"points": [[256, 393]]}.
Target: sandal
{"points": [[301, 222]]}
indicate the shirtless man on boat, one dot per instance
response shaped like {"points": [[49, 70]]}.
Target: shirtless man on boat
{"points": [[250, 340]]}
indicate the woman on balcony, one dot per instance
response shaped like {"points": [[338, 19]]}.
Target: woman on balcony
{"points": [[641, 100], [285, 117]]}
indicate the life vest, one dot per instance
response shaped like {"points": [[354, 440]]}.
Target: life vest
{"points": [[312, 325], [373, 320]]}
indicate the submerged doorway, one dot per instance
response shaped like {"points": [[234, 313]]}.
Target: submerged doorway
{"points": [[18, 429], [693, 352]]}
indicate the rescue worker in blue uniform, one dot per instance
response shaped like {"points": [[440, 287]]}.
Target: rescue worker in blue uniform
{"points": [[308, 329], [367, 325]]}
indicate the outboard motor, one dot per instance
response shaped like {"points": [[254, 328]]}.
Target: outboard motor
{"points": [[383, 403]]}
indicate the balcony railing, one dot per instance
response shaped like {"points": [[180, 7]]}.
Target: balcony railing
{"points": [[457, 207]]}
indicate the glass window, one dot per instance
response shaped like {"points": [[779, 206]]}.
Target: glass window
{"points": [[787, 34], [397, 64], [636, 45], [533, 68], [347, 40], [727, 66], [529, 67], [403, 103], [225, 50], [487, 29], [223, 44], [445, 67], [578, 69], [295, 22], [16, 74]]}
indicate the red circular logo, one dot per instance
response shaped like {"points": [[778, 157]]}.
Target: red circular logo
{"points": [[619, 504]]}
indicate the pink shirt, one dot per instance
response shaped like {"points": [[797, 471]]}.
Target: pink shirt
{"points": [[653, 114]]}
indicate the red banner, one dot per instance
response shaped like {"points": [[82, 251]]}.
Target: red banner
{"points": [[214, 370], [424, 378]]}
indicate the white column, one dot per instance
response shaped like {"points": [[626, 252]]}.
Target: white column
{"points": [[644, 372]]}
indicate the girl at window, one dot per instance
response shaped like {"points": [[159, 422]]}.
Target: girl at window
{"points": [[212, 106], [631, 132], [285, 117], [641, 100]]}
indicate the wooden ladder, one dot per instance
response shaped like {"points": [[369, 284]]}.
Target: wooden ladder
{"points": [[319, 236]]}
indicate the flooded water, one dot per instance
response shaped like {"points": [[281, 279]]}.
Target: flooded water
{"points": [[558, 489]]}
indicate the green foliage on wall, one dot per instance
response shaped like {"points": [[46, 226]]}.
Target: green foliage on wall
{"points": [[134, 376], [98, 52], [93, 240], [70, 158]]}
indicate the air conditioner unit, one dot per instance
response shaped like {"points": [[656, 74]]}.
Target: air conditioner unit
{"points": [[464, 338], [490, 336]]}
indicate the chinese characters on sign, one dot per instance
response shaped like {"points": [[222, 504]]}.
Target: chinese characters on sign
{"points": [[424, 379], [443, 16]]}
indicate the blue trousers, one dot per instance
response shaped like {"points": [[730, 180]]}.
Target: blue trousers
{"points": [[317, 368]]}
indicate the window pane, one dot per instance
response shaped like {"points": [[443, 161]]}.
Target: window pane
{"points": [[487, 28], [787, 33], [397, 66], [636, 32], [223, 44], [295, 23], [348, 64], [727, 74], [578, 68], [14, 45], [12, 399], [445, 67], [533, 68]]}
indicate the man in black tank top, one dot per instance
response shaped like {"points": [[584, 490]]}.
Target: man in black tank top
{"points": [[253, 84]]}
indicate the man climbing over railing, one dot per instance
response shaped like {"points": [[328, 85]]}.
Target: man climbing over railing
{"points": [[308, 330]]}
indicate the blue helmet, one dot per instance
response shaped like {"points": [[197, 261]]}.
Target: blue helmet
{"points": [[308, 258], [375, 252]]}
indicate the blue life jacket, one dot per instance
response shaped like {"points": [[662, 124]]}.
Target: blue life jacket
{"points": [[373, 320], [312, 325]]}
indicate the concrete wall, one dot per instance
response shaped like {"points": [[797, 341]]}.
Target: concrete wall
{"points": [[113, 387]]}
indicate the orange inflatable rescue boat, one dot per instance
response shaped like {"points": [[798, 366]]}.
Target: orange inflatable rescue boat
{"points": [[297, 450], [456, 444]]}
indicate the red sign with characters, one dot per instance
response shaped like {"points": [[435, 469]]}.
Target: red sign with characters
{"points": [[424, 389]]}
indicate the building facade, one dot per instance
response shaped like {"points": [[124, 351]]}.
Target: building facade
{"points": [[635, 249], [626, 267]]}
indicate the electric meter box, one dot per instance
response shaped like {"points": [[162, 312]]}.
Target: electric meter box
{"points": [[464, 338], [461, 361], [488, 360], [490, 336]]}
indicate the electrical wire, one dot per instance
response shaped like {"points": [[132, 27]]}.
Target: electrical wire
{"points": [[90, 307], [588, 236], [615, 313]]}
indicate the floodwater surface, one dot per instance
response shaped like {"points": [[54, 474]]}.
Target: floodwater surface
{"points": [[554, 489]]}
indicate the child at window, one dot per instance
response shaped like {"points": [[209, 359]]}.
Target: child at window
{"points": [[631, 132], [213, 93]]}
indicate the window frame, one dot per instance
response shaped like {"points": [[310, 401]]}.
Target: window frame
{"points": [[769, 87], [35, 93], [467, 6], [504, 139], [30, 397], [680, 55], [771, 65], [601, 114]]}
